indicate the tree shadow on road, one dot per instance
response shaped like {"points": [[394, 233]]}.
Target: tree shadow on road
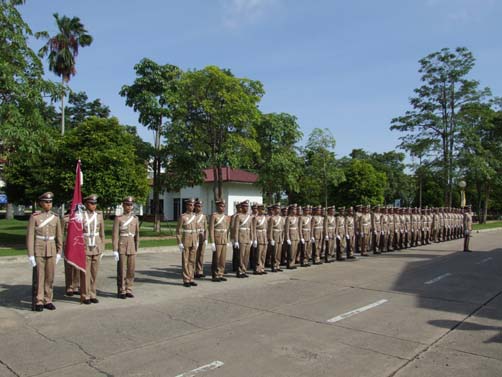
{"points": [[469, 326]]}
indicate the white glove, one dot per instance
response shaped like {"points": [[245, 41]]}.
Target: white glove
{"points": [[58, 258], [213, 247], [255, 243], [32, 261], [272, 242], [116, 256], [205, 242], [347, 236], [289, 242], [228, 244], [181, 247], [236, 245], [338, 236], [312, 239], [303, 241], [326, 238]]}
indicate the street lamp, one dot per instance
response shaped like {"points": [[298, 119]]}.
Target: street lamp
{"points": [[462, 185]]}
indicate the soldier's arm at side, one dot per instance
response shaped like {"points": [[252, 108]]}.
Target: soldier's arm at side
{"points": [[136, 234], [59, 237], [211, 228], [30, 237], [115, 233], [178, 229]]}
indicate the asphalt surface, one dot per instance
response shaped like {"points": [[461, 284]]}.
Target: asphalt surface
{"points": [[426, 311]]}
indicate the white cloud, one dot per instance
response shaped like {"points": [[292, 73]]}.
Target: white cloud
{"points": [[239, 12]]}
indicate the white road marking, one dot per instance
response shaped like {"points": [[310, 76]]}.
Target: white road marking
{"points": [[485, 260], [437, 279], [214, 365], [356, 311]]}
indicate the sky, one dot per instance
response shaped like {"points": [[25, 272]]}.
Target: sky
{"points": [[348, 66]]}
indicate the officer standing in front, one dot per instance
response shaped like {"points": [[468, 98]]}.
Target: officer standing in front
{"points": [[219, 225], [467, 227], [125, 240], [186, 236], [94, 237], [44, 243], [201, 222]]}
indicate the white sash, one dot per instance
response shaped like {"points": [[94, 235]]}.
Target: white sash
{"points": [[190, 220], [92, 231], [307, 222], [126, 224], [200, 218], [245, 220], [262, 221], [276, 223], [45, 222], [220, 220]]}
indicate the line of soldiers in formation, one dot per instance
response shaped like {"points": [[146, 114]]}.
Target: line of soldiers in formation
{"points": [[44, 242], [291, 236], [283, 236]]}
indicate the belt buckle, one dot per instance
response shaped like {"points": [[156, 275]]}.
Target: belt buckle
{"points": [[46, 238]]}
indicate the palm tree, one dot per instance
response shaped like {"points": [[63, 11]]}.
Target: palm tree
{"points": [[62, 50]]}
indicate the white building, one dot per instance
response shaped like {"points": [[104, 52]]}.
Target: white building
{"points": [[238, 185]]}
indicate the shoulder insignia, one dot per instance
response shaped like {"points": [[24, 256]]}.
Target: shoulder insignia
{"points": [[36, 213]]}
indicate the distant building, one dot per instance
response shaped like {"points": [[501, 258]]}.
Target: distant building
{"points": [[238, 185]]}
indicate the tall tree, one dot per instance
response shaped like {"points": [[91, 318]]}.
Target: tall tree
{"points": [[278, 165], [435, 107], [213, 123], [481, 155], [151, 95], [62, 51], [321, 162]]}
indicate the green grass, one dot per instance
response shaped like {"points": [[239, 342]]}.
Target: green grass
{"points": [[13, 236], [490, 225]]}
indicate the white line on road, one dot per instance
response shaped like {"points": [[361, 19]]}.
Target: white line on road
{"points": [[437, 279], [214, 365], [485, 260], [356, 311]]}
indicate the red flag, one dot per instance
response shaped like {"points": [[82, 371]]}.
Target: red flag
{"points": [[75, 244]]}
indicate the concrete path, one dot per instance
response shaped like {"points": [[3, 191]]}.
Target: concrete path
{"points": [[427, 311]]}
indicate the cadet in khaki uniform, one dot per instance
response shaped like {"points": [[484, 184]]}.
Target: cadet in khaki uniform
{"points": [[467, 227], [253, 252], [341, 240], [219, 225], [364, 228], [350, 233], [376, 229], [317, 235], [243, 237], [125, 243], [201, 222], [292, 235], [392, 230], [260, 223], [44, 241], [384, 219], [357, 220], [330, 234], [94, 237], [306, 236], [275, 235], [186, 236], [235, 251]]}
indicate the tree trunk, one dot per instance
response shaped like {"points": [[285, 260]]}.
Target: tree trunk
{"points": [[156, 180], [485, 207], [220, 182], [62, 107], [215, 184], [9, 214]]}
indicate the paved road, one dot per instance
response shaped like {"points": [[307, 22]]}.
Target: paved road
{"points": [[427, 311]]}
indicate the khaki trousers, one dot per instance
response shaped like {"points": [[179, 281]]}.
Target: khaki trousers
{"points": [[91, 274], [46, 267], [307, 252], [244, 250], [127, 266], [293, 252], [260, 260], [188, 263], [199, 257], [219, 260], [276, 255], [72, 277]]}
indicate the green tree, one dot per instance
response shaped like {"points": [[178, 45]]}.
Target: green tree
{"points": [[214, 114], [62, 51], [321, 162], [278, 166], [433, 119], [150, 95], [481, 155], [363, 184]]}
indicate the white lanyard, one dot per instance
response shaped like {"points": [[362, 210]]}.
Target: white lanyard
{"points": [[91, 228]]}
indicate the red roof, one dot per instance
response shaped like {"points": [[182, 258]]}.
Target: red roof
{"points": [[231, 175]]}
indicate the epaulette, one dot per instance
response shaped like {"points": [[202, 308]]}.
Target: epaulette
{"points": [[36, 213]]}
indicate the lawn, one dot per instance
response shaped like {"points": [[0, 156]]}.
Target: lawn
{"points": [[13, 236]]}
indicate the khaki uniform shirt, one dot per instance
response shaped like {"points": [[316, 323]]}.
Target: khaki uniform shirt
{"points": [[243, 228], [218, 228], [306, 228], [94, 232], [125, 234], [330, 227], [276, 229], [340, 226], [260, 223], [291, 228], [186, 231], [44, 236], [201, 222]]}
